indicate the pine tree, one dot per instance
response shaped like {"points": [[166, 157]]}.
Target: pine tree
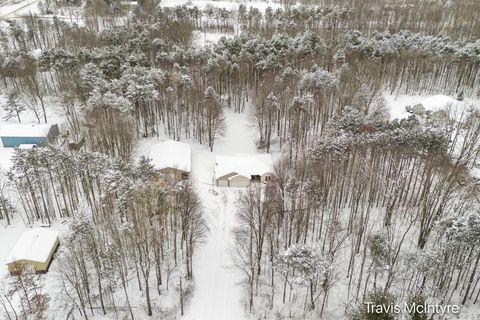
{"points": [[13, 107], [417, 299]]}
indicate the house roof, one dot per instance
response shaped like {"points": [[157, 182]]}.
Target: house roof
{"points": [[171, 154], [25, 130], [33, 245], [243, 164]]}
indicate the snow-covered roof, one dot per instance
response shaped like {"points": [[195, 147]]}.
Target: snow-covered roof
{"points": [[243, 164], [439, 101], [25, 130], [27, 146], [171, 154], [33, 245]]}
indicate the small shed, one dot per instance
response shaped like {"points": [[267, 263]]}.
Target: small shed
{"points": [[16, 134], [243, 169], [35, 248], [172, 158]]}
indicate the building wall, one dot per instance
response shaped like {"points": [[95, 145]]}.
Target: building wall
{"points": [[175, 173], [236, 182], [266, 177], [46, 265], [222, 182], [10, 142], [239, 182]]}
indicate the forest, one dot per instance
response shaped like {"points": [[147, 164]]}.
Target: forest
{"points": [[362, 207]]}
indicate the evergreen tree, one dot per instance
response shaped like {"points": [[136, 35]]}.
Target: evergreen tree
{"points": [[13, 108]]}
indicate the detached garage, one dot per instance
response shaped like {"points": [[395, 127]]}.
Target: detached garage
{"points": [[241, 170], [35, 248], [238, 181], [16, 134]]}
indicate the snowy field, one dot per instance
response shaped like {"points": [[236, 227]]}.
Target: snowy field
{"points": [[396, 104]]}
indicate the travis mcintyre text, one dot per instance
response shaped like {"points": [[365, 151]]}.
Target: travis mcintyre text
{"points": [[412, 308]]}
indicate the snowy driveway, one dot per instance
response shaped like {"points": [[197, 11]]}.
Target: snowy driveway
{"points": [[218, 294]]}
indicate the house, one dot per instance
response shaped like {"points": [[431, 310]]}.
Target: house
{"points": [[172, 158], [241, 170], [16, 134], [35, 248]]}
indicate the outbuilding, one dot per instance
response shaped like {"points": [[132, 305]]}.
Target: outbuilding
{"points": [[172, 158], [243, 169], [16, 134], [35, 248]]}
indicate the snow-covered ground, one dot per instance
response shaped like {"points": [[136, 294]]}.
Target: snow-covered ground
{"points": [[217, 294], [17, 9], [5, 159], [396, 104], [14, 8], [204, 39]]}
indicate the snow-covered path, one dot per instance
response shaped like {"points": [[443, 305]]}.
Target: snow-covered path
{"points": [[217, 294], [9, 9]]}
